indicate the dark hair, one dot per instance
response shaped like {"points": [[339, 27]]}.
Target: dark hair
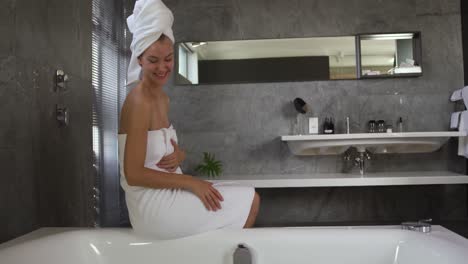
{"points": [[162, 37]]}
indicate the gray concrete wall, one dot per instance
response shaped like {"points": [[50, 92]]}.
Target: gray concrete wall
{"points": [[241, 123], [61, 31], [18, 192], [45, 179]]}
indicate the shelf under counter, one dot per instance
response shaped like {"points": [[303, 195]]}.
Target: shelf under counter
{"points": [[347, 179]]}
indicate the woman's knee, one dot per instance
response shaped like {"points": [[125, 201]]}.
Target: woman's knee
{"points": [[253, 211], [257, 199], [255, 204]]}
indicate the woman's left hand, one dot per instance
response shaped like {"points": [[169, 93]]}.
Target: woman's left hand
{"points": [[172, 161]]}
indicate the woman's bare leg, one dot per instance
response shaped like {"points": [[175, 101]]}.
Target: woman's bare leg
{"points": [[253, 211]]}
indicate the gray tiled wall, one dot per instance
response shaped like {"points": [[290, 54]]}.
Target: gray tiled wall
{"points": [[45, 169], [241, 123], [18, 192]]}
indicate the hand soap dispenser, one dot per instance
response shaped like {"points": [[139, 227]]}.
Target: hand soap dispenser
{"points": [[301, 109]]}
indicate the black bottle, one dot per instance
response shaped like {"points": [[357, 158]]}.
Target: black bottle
{"points": [[328, 126]]}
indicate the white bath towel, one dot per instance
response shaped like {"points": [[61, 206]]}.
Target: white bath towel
{"points": [[174, 213], [150, 19]]}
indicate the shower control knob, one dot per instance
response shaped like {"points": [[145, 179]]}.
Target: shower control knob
{"points": [[62, 116], [60, 79]]}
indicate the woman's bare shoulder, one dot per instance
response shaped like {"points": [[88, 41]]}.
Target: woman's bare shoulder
{"points": [[136, 107], [136, 100]]}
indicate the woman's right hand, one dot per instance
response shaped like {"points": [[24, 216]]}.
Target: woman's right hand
{"points": [[208, 194]]}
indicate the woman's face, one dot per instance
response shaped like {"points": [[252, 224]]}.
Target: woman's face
{"points": [[157, 61]]}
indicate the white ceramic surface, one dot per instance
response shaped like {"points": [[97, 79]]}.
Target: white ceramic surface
{"points": [[346, 179], [407, 142], [323, 245]]}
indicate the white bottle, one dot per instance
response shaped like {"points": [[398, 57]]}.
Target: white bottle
{"points": [[313, 125]]}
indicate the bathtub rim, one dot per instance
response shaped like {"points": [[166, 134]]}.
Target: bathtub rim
{"points": [[438, 231]]}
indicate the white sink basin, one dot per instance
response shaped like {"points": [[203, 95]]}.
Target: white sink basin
{"points": [[407, 142]]}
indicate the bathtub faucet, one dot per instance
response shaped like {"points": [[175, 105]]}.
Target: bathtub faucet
{"points": [[423, 226], [244, 255]]}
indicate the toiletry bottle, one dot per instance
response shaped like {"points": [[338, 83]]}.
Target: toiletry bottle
{"points": [[381, 126], [328, 127], [325, 125], [371, 127], [313, 125], [347, 125], [400, 124], [389, 129]]}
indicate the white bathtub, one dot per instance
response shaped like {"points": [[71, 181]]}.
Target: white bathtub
{"points": [[311, 245]]}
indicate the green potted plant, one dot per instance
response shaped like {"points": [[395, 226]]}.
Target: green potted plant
{"points": [[209, 166]]}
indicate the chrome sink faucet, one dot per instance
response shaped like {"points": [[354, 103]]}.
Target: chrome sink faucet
{"points": [[423, 226], [359, 159]]}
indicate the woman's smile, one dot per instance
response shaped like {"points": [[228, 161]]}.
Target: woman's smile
{"points": [[161, 75]]}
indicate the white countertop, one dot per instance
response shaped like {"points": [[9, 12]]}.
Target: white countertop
{"points": [[346, 179]]}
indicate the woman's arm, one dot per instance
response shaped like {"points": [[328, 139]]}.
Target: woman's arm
{"points": [[137, 116], [172, 161]]}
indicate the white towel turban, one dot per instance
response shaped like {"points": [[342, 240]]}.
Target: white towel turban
{"points": [[150, 19]]}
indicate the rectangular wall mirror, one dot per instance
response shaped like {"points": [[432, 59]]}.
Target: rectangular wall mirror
{"points": [[299, 59], [389, 55], [266, 60]]}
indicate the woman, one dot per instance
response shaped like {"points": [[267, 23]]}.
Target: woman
{"points": [[163, 201]]}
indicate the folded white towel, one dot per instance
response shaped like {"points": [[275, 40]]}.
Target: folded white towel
{"points": [[457, 95], [460, 94], [150, 19], [464, 94], [454, 120], [463, 141]]}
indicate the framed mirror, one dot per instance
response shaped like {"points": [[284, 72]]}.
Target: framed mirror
{"points": [[389, 55], [266, 60]]}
